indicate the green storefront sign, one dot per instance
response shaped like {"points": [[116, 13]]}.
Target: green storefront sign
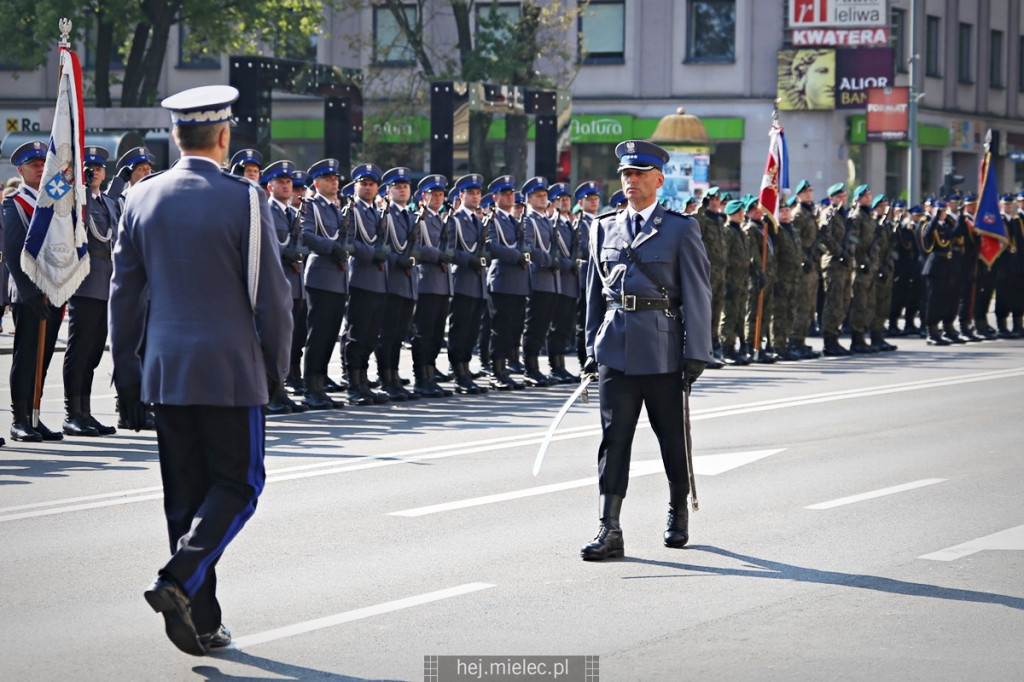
{"points": [[928, 136], [586, 129]]}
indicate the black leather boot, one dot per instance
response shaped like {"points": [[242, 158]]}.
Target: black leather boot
{"points": [[935, 337], [101, 429], [859, 345], [677, 530], [293, 383], [356, 393], [75, 423], [277, 405], [833, 348], [607, 544], [533, 376], [423, 386], [1018, 327], [392, 387], [315, 398], [559, 372], [464, 380], [432, 377], [366, 386], [500, 379], [21, 424]]}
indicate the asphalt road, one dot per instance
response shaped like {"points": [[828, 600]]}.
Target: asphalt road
{"points": [[860, 518]]}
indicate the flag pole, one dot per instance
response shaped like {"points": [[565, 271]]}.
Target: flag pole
{"points": [[764, 240], [64, 25]]}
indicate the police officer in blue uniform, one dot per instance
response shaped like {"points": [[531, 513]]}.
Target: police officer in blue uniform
{"points": [[403, 281], [648, 336], [508, 282], [546, 282], [134, 165], [87, 309], [326, 232], [368, 285], [28, 305], [217, 329], [277, 178], [434, 287], [564, 253], [247, 163], [469, 274], [588, 197]]}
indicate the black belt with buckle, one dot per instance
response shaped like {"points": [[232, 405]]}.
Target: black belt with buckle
{"points": [[634, 303]]}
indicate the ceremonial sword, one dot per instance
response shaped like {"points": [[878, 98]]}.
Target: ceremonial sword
{"points": [[585, 381]]}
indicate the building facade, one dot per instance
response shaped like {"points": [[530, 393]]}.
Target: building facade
{"points": [[637, 61]]}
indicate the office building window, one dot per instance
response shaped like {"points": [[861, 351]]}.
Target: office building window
{"points": [[390, 45], [602, 31], [898, 39], [711, 31], [963, 47], [933, 39], [995, 60]]}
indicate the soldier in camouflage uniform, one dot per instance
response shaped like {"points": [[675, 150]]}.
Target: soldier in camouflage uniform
{"points": [[863, 228], [884, 251], [712, 232], [836, 269], [762, 279], [737, 260], [805, 224], [789, 276]]}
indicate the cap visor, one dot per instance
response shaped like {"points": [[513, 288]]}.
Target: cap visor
{"points": [[637, 166]]}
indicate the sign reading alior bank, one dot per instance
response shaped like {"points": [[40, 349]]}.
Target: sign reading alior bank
{"points": [[840, 14]]}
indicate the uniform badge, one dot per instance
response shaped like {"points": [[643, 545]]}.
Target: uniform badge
{"points": [[657, 220], [630, 147]]}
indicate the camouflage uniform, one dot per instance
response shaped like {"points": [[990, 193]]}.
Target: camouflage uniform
{"points": [[758, 281], [835, 268], [805, 223], [713, 234], [736, 273], [863, 232], [788, 257], [885, 248]]}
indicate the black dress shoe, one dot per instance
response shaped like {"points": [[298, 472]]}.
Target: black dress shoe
{"points": [[21, 430], [172, 603], [677, 532], [47, 434], [78, 425], [218, 639]]}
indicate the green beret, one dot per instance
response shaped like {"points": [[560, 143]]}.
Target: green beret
{"points": [[734, 206], [803, 184], [877, 200], [860, 191], [750, 202], [836, 189], [713, 191], [791, 202]]}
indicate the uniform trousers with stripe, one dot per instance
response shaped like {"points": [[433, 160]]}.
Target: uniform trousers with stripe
{"points": [[538, 320], [464, 327], [211, 464], [508, 315], [429, 317], [26, 342], [366, 310], [325, 312], [398, 312]]}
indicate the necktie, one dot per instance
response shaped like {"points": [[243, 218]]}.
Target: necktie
{"points": [[476, 222], [638, 222]]}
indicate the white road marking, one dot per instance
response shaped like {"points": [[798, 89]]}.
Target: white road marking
{"points": [[707, 465], [876, 493], [357, 614], [1009, 539], [508, 442]]}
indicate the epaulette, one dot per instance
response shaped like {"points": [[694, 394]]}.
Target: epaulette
{"points": [[678, 213], [228, 174], [606, 214]]}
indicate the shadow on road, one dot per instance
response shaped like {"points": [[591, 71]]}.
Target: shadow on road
{"points": [[774, 570], [279, 669]]}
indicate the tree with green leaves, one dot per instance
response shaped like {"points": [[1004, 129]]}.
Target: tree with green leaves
{"points": [[535, 47], [139, 31]]}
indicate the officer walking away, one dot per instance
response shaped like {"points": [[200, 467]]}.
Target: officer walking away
{"points": [[87, 309], [648, 273], [202, 242], [28, 305]]}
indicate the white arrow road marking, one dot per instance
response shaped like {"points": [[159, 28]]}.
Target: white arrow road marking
{"points": [[876, 493], [1009, 539], [706, 465], [357, 614]]}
